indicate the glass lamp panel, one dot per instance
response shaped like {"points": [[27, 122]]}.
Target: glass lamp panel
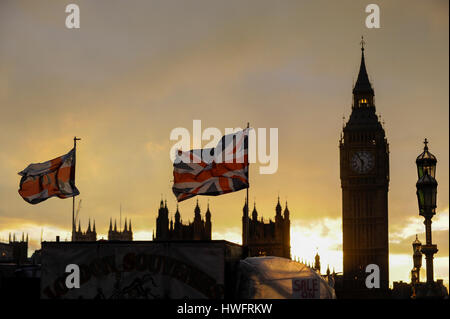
{"points": [[432, 170], [419, 171], [428, 167], [417, 261], [421, 200]]}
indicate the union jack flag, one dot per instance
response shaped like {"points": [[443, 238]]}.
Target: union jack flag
{"points": [[56, 177], [212, 171]]}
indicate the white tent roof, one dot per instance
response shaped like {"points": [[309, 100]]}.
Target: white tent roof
{"points": [[280, 278]]}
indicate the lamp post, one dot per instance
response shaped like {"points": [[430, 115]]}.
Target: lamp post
{"points": [[417, 261], [426, 196]]}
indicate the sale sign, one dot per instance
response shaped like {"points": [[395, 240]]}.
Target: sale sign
{"points": [[305, 288]]}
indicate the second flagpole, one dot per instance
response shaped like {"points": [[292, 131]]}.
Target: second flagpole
{"points": [[246, 249], [75, 139]]}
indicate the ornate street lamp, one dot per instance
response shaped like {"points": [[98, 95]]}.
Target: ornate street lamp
{"points": [[417, 260], [417, 254], [426, 161], [426, 196]]}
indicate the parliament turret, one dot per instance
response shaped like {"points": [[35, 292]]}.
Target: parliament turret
{"points": [[199, 229], [267, 239], [88, 235]]}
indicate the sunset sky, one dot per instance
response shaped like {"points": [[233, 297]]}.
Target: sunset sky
{"points": [[135, 70]]}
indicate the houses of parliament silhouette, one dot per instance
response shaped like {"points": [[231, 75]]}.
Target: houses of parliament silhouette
{"points": [[14, 250], [126, 234], [199, 229], [264, 239], [267, 239]]}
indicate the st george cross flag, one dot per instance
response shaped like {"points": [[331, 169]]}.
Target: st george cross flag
{"points": [[52, 178], [212, 171]]}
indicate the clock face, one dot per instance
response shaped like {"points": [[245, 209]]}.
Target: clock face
{"points": [[362, 162]]}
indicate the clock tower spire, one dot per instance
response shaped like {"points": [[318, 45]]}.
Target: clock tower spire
{"points": [[364, 172], [362, 91]]}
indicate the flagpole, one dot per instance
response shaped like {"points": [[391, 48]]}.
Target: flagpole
{"points": [[75, 139], [246, 204]]}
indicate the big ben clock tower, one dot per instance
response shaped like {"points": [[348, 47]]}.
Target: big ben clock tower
{"points": [[364, 167]]}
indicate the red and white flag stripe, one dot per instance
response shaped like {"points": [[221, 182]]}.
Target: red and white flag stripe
{"points": [[56, 177]]}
